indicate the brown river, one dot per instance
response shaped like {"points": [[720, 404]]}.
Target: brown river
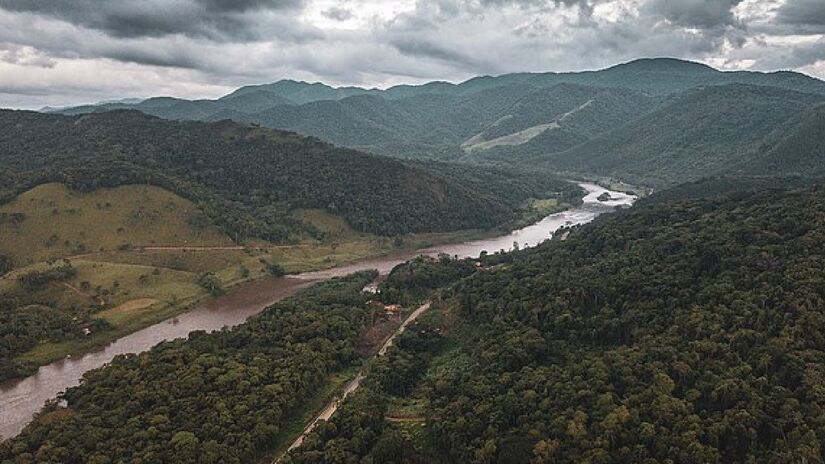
{"points": [[21, 399]]}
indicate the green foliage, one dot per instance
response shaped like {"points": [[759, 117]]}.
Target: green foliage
{"points": [[247, 179], [409, 282], [217, 397], [275, 269], [36, 279], [358, 432], [6, 264], [23, 327], [211, 283], [686, 330]]}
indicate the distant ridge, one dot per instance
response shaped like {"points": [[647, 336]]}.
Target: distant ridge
{"points": [[656, 121], [300, 92]]}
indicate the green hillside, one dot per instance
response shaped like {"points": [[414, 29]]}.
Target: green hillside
{"points": [[553, 119], [801, 151], [706, 131], [56, 222], [246, 179]]}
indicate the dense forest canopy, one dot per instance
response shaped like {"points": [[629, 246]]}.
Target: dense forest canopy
{"points": [[247, 179], [681, 331], [686, 329], [220, 397]]}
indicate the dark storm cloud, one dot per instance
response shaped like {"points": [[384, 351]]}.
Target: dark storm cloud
{"points": [[803, 13], [213, 19], [703, 14], [414, 46]]}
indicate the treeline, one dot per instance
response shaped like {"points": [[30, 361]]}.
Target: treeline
{"points": [[36, 279], [248, 179], [218, 397], [22, 327], [411, 281], [24, 323], [680, 331]]}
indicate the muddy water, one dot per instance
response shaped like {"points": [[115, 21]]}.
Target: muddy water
{"points": [[20, 399]]}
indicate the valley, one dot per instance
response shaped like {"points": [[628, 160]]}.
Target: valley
{"points": [[222, 263], [19, 399], [110, 229]]}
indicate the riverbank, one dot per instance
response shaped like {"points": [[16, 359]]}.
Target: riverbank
{"points": [[296, 260], [20, 399], [176, 295]]}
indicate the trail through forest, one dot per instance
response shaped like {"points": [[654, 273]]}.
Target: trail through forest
{"points": [[353, 384]]}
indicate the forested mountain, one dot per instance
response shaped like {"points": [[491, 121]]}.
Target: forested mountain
{"points": [[705, 131], [423, 125], [649, 75], [651, 121], [248, 178]]}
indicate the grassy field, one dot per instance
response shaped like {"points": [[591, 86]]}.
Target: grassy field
{"points": [[111, 238], [59, 222]]}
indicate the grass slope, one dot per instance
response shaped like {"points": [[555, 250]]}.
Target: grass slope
{"points": [[59, 222]]}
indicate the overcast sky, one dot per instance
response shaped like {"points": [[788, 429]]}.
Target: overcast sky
{"points": [[61, 52]]}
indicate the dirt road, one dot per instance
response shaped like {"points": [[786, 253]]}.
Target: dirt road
{"points": [[353, 384]]}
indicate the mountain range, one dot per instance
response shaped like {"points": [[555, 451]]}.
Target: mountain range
{"points": [[655, 121]]}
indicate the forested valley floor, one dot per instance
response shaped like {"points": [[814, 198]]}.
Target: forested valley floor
{"points": [[685, 329]]}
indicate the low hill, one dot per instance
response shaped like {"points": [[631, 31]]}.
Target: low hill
{"points": [[246, 179], [55, 222]]}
